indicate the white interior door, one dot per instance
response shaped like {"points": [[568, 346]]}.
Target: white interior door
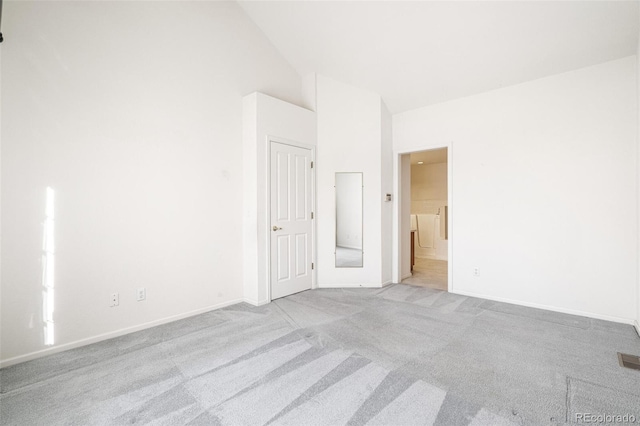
{"points": [[291, 219]]}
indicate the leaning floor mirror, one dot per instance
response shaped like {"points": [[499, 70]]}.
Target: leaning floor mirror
{"points": [[349, 220]]}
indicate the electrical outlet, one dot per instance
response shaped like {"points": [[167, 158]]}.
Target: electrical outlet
{"points": [[141, 294], [115, 299], [476, 272]]}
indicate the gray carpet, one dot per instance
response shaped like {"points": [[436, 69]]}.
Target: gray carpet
{"points": [[401, 355]]}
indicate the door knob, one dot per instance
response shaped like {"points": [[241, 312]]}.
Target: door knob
{"points": [[275, 228]]}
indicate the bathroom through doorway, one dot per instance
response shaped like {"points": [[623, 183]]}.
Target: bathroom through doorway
{"points": [[429, 219]]}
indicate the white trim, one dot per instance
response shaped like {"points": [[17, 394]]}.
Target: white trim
{"points": [[351, 285], [255, 303], [285, 141], [637, 321], [312, 149], [410, 274], [396, 264], [386, 283], [110, 335], [550, 308]]}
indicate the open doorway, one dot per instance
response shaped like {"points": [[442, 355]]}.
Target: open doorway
{"points": [[429, 217]]}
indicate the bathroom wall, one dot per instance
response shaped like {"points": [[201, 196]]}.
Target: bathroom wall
{"points": [[428, 187], [428, 196], [429, 181]]}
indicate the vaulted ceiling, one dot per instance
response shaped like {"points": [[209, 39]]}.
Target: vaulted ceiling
{"points": [[418, 53]]}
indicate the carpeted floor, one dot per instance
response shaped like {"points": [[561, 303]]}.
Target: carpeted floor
{"points": [[402, 355]]}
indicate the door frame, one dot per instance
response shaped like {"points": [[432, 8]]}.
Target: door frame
{"points": [[397, 240], [312, 149]]}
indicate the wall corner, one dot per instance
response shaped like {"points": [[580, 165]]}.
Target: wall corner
{"points": [[249, 198]]}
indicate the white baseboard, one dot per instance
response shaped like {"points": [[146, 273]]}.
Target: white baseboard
{"points": [[255, 302], [110, 335], [549, 308], [636, 324], [347, 285], [406, 276], [386, 283]]}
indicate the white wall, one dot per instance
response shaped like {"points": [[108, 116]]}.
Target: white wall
{"points": [[387, 188], [543, 189], [264, 118], [349, 140], [132, 113]]}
